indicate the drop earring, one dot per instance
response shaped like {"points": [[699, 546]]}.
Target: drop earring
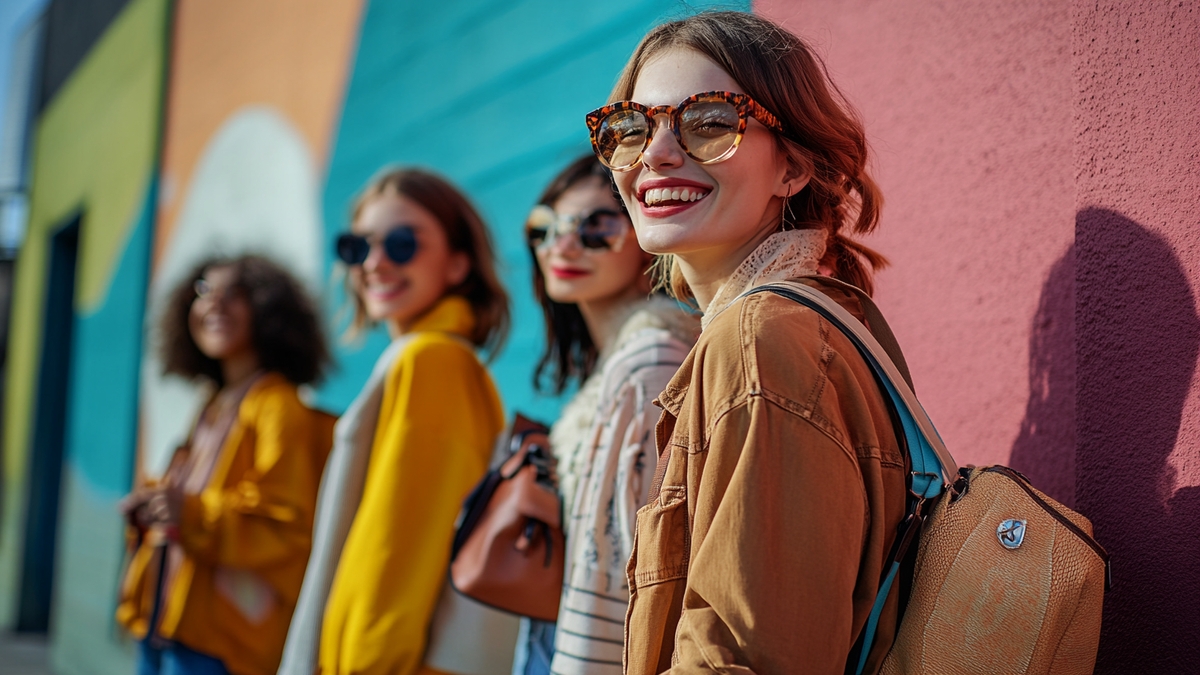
{"points": [[784, 223]]}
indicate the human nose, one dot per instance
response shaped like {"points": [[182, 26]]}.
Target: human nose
{"points": [[375, 257], [663, 151]]}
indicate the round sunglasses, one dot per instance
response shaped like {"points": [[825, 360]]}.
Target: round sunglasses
{"points": [[707, 126], [399, 245], [602, 229]]}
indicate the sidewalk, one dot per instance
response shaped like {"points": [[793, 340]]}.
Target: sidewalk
{"points": [[24, 654]]}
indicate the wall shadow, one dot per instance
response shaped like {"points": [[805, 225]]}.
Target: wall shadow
{"points": [[1045, 448], [1137, 340]]}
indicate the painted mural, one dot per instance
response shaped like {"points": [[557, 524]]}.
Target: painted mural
{"points": [[244, 150], [273, 116], [201, 127], [94, 168]]}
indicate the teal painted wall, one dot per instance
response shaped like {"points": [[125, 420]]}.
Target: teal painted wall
{"points": [[101, 440], [493, 97]]}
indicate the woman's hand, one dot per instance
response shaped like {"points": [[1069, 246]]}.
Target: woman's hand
{"points": [[133, 506], [165, 505]]}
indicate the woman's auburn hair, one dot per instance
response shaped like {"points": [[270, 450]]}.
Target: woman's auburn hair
{"points": [[465, 232], [823, 136], [285, 326], [570, 351]]}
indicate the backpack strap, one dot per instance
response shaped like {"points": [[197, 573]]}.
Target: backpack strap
{"points": [[933, 468], [877, 325]]}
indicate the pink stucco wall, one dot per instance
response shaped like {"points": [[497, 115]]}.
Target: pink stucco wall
{"points": [[1137, 194], [1041, 166]]}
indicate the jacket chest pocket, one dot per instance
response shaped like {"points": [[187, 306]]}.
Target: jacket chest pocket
{"points": [[662, 543]]}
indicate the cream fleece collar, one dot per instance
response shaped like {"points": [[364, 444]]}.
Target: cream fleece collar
{"points": [[783, 255]]}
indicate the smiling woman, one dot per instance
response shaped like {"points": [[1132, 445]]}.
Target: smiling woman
{"points": [[222, 539], [605, 330], [410, 447], [741, 164]]}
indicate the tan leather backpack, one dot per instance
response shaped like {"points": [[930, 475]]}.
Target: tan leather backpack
{"points": [[1006, 580]]}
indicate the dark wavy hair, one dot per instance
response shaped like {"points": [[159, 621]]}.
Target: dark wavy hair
{"points": [[570, 351], [284, 324], [824, 137]]}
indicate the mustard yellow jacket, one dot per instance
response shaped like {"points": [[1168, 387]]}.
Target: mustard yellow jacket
{"points": [[438, 419], [245, 537]]}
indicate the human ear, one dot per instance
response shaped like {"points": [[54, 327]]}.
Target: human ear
{"points": [[457, 268], [797, 171]]}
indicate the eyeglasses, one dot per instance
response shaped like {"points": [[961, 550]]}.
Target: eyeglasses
{"points": [[205, 290], [400, 245], [599, 230], [708, 127]]}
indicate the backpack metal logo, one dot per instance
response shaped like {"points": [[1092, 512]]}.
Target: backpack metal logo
{"points": [[1011, 533]]}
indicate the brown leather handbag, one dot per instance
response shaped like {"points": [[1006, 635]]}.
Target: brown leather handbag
{"points": [[509, 549]]}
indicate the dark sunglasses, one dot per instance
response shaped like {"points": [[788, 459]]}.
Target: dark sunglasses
{"points": [[709, 127], [400, 245], [599, 230]]}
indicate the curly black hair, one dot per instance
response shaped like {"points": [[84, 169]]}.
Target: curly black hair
{"points": [[285, 328]]}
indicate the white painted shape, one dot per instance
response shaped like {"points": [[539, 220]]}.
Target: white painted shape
{"points": [[254, 190]]}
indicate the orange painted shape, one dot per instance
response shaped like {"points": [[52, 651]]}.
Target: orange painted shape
{"points": [[292, 55]]}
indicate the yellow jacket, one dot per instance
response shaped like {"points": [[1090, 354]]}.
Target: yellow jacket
{"points": [[245, 537], [438, 419]]}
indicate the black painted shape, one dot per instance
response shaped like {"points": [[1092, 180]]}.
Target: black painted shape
{"points": [[49, 434], [72, 29]]}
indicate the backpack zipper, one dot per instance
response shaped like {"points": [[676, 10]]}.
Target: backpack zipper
{"points": [[1066, 522]]}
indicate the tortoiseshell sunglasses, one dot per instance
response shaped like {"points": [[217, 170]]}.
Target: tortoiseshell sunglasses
{"points": [[708, 127]]}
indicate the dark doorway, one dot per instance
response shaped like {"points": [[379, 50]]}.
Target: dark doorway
{"points": [[49, 432]]}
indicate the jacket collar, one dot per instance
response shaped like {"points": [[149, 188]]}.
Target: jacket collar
{"points": [[783, 255], [452, 314]]}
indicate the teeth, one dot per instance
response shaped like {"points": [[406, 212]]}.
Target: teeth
{"points": [[658, 195]]}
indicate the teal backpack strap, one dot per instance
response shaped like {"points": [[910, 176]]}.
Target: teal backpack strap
{"points": [[932, 466]]}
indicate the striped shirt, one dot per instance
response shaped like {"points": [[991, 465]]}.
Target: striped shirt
{"points": [[610, 465]]}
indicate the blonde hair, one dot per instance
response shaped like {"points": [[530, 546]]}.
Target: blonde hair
{"points": [[465, 232], [823, 139]]}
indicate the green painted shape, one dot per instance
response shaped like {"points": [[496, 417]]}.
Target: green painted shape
{"points": [[95, 149], [493, 97]]}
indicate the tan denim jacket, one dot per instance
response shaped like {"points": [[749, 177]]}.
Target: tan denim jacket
{"points": [[779, 490]]}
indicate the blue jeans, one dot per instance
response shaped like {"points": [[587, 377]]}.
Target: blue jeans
{"points": [[535, 648], [175, 659]]}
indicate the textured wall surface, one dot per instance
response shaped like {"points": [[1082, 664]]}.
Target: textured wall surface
{"points": [[968, 111], [1041, 166], [492, 95], [1137, 163]]}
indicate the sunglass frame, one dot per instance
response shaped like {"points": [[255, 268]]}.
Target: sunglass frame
{"points": [[745, 106]]}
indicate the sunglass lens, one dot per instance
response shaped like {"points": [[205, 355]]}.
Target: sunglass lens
{"points": [[400, 245], [621, 138], [537, 227], [709, 129], [601, 229], [535, 236], [352, 249]]}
